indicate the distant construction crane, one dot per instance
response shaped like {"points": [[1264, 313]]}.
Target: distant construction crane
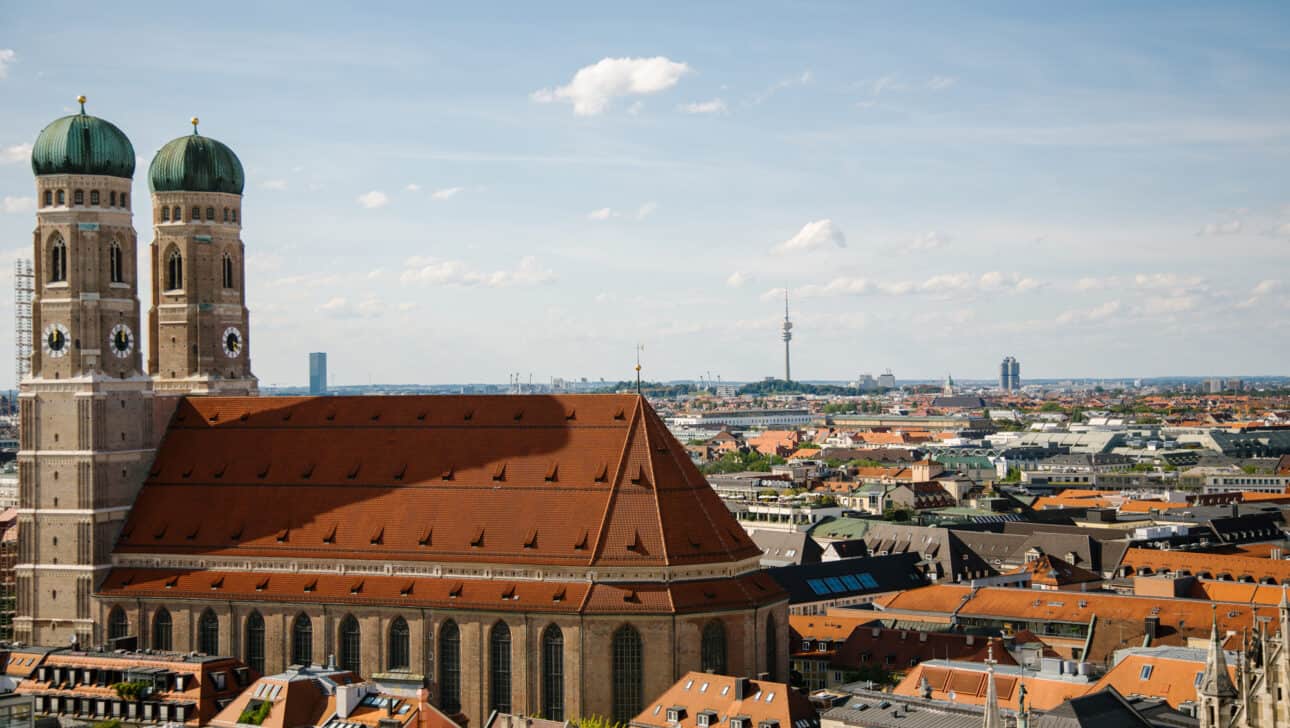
{"points": [[24, 288]]}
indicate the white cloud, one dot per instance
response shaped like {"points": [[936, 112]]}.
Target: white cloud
{"points": [[457, 273], [594, 86], [335, 304], [1265, 287], [15, 154], [928, 241], [1169, 304], [274, 184], [737, 279], [941, 285], [714, 106], [445, 193], [603, 213], [939, 83], [1154, 281], [814, 236], [7, 56], [1097, 313], [884, 84], [413, 187], [18, 204], [1231, 227], [340, 307], [646, 210], [801, 79], [1096, 284], [374, 199]]}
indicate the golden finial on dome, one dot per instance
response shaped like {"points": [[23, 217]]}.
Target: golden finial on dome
{"points": [[194, 121], [81, 100]]}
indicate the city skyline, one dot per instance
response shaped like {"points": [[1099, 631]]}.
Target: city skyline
{"points": [[1057, 187]]}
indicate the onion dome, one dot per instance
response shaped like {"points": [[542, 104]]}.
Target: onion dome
{"points": [[83, 144], [195, 163]]}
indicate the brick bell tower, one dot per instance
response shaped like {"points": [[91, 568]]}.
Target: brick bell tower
{"points": [[199, 328], [87, 410]]}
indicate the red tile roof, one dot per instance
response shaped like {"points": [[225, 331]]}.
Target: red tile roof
{"points": [[581, 480]]}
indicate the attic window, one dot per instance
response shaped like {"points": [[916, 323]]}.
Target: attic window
{"points": [[286, 416], [214, 417], [421, 416], [264, 472], [331, 416], [129, 529], [282, 535], [694, 540], [160, 533], [308, 472], [172, 582], [188, 471], [530, 539], [602, 474], [378, 537], [639, 478], [264, 584], [156, 469], [469, 415], [631, 597], [509, 594], [128, 580], [245, 416], [192, 535], [403, 469], [219, 472], [581, 543], [407, 589], [519, 415], [447, 474], [376, 417], [559, 595], [499, 473], [477, 540], [353, 472], [552, 473], [455, 591], [620, 414], [237, 534], [356, 588], [217, 584], [571, 414], [311, 586], [425, 537], [331, 535], [636, 544], [709, 594]]}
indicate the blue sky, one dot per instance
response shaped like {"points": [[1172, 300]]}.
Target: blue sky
{"points": [[457, 192]]}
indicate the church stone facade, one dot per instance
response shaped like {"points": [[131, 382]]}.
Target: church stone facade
{"points": [[558, 556]]}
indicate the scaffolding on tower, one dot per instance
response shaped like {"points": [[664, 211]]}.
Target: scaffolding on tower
{"points": [[24, 287]]}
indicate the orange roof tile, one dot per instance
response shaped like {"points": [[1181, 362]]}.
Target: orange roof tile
{"points": [[1174, 680]]}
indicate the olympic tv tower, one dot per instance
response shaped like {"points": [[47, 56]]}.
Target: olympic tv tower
{"points": [[787, 335]]}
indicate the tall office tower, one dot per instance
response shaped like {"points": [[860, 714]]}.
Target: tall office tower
{"points": [[318, 372], [787, 334], [86, 418], [1010, 374]]}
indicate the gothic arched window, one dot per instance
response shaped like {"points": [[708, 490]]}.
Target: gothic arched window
{"points": [[78, 197], [124, 199], [450, 667], [177, 215], [165, 214], [161, 627], [112, 198], [118, 624], [62, 198], [94, 197], [350, 645], [499, 654], [235, 214], [714, 648], [226, 214], [208, 633], [114, 262], [58, 261], [210, 214], [228, 271], [196, 216], [302, 640], [553, 673], [49, 198], [255, 642], [174, 270], [399, 653], [627, 674]]}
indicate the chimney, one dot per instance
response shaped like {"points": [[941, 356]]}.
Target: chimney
{"points": [[742, 687], [331, 661], [347, 698]]}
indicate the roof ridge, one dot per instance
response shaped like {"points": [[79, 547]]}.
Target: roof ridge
{"points": [[614, 487], [644, 423]]}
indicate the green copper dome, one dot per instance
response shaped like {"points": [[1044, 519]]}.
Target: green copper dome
{"points": [[195, 163], [83, 144]]}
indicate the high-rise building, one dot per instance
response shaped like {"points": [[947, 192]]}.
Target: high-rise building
{"points": [[318, 372], [1010, 374], [887, 380]]}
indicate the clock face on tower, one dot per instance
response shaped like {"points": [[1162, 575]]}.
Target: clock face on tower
{"points": [[56, 341], [232, 341], [121, 341]]}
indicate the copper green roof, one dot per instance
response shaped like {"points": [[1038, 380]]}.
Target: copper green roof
{"points": [[83, 144], [195, 163]]}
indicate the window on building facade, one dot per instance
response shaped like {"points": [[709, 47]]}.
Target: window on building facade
{"points": [[210, 214], [118, 624], [114, 262], [553, 673], [450, 667], [627, 673], [94, 197], [228, 271], [48, 199], [399, 652], [165, 214], [499, 658], [255, 642], [78, 197], [302, 640], [58, 261], [713, 651], [174, 270], [208, 633], [161, 627], [350, 645]]}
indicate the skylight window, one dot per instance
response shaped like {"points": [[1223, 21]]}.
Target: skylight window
{"points": [[1145, 674], [817, 586], [869, 582]]}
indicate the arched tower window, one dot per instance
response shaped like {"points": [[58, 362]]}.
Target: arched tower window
{"points": [[350, 645], [49, 198], [553, 673], [58, 261], [174, 270], [210, 214], [112, 198], [177, 214], [772, 648], [399, 653], [255, 642], [302, 640], [62, 198], [499, 657], [714, 648], [208, 633], [125, 200], [228, 271], [94, 197], [118, 624], [165, 214], [196, 215], [450, 667], [78, 197], [161, 627], [235, 214], [627, 674], [225, 214], [114, 262]]}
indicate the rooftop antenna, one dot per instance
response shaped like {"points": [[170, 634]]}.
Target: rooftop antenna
{"points": [[639, 347], [194, 121]]}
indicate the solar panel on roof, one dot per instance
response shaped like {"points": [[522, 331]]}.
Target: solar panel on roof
{"points": [[834, 584], [817, 586], [867, 580], [851, 582]]}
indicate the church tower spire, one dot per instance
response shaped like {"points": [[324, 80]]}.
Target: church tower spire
{"points": [[993, 716], [1216, 693]]}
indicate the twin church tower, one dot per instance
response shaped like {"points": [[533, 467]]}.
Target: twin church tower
{"points": [[91, 414]]}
